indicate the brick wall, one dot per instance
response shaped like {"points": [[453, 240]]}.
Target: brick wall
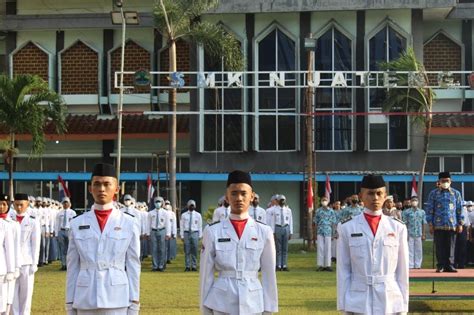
{"points": [[136, 58], [441, 53], [79, 70], [182, 61], [31, 60]]}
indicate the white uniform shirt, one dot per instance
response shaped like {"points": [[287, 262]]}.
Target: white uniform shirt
{"points": [[159, 219], [258, 213], [196, 224], [103, 268], [220, 214], [373, 277], [43, 217], [7, 250], [30, 239], [269, 215], [15, 229], [238, 290], [278, 219], [60, 224], [471, 217], [173, 222], [135, 214], [52, 220], [144, 222]]}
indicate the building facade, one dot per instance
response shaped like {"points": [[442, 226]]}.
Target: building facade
{"points": [[73, 46]]}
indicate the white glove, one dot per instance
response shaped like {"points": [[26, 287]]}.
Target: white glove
{"points": [[10, 276], [33, 269], [17, 273], [70, 310], [133, 309]]}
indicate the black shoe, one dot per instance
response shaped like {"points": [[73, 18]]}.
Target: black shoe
{"points": [[154, 269], [168, 261], [63, 268], [187, 269], [40, 265], [278, 268], [440, 269], [193, 269], [450, 269], [320, 269], [333, 259], [285, 269]]}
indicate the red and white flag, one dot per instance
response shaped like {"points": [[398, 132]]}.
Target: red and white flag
{"points": [[309, 195], [414, 188], [63, 190], [328, 190], [151, 189]]}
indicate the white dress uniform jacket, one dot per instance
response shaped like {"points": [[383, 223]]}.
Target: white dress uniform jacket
{"points": [[237, 290], [103, 268], [372, 278], [7, 252], [15, 232], [30, 238]]}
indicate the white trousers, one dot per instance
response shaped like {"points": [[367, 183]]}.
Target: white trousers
{"points": [[415, 252], [3, 297], [110, 311], [324, 251], [23, 292], [333, 248]]}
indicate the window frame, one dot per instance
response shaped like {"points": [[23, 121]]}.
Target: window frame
{"points": [[409, 43], [331, 26], [244, 103], [256, 44]]}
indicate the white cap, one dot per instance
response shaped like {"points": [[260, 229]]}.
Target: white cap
{"points": [[66, 199], [281, 197], [257, 196], [39, 199], [191, 202], [160, 199], [275, 197], [127, 197]]}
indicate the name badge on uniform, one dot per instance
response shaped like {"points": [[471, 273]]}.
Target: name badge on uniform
{"points": [[196, 222], [117, 228], [162, 220], [254, 239], [84, 227], [391, 234], [222, 240], [287, 218], [357, 235]]}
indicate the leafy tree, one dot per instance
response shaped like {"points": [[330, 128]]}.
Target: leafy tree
{"points": [[180, 19], [26, 106], [417, 98]]}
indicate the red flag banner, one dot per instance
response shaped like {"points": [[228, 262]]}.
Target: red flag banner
{"points": [[328, 190], [309, 196]]}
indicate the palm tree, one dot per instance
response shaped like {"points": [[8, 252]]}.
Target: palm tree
{"points": [[26, 106], [180, 19], [417, 99]]}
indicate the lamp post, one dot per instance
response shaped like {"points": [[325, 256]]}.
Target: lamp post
{"points": [[310, 46], [122, 18]]}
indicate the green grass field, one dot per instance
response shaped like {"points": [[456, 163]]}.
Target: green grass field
{"points": [[301, 291]]}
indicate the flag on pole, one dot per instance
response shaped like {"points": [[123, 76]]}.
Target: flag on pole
{"points": [[414, 188], [63, 191], [309, 196], [151, 189], [328, 190]]}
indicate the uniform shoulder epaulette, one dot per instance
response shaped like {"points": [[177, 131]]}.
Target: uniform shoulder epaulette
{"points": [[397, 219], [261, 222], [32, 217], [214, 223], [346, 220], [130, 214]]}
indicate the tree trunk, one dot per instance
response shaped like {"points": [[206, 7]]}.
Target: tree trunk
{"points": [[10, 165], [426, 144], [172, 127]]}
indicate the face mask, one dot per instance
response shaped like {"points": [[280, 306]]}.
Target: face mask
{"points": [[469, 209], [324, 203], [127, 202], [445, 185], [414, 204], [157, 205]]}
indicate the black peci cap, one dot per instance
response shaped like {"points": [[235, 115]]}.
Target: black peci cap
{"points": [[4, 197], [21, 196], [444, 175], [372, 181], [239, 177], [104, 169]]}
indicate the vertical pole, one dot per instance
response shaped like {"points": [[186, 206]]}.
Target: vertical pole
{"points": [[309, 140], [120, 103], [158, 174]]}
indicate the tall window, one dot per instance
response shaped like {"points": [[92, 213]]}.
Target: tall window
{"points": [[276, 52], [385, 132], [223, 129], [333, 132]]}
